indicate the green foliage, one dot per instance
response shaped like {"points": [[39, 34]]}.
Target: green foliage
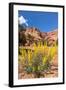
{"points": [[37, 63], [29, 69], [37, 59]]}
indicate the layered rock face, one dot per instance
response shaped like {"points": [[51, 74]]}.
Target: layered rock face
{"points": [[32, 34]]}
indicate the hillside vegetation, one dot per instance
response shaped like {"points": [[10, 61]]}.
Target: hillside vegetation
{"points": [[37, 53]]}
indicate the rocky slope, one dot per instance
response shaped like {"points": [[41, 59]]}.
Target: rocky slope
{"points": [[33, 34]]}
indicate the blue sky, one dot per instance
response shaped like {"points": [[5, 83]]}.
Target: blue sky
{"points": [[44, 21]]}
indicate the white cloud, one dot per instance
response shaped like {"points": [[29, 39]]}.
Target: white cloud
{"points": [[22, 20]]}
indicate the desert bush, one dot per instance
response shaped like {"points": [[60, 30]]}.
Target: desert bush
{"points": [[39, 60]]}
